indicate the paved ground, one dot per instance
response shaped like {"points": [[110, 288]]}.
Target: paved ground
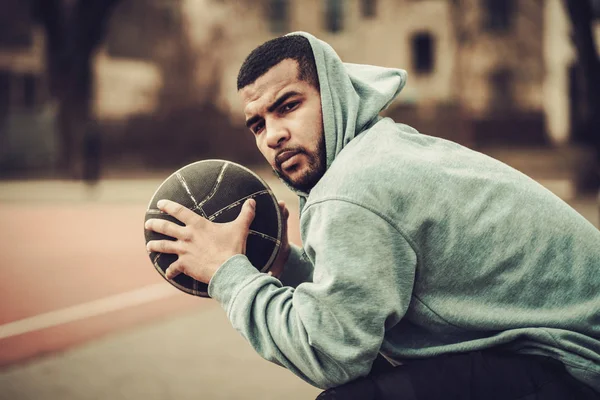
{"points": [[195, 355], [85, 316]]}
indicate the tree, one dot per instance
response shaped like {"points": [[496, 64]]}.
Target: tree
{"points": [[73, 30], [581, 14]]}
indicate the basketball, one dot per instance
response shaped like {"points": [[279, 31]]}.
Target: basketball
{"points": [[216, 190]]}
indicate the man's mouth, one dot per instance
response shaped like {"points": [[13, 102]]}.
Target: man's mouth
{"points": [[287, 159]]}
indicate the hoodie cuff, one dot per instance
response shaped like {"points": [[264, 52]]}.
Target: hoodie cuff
{"points": [[230, 278]]}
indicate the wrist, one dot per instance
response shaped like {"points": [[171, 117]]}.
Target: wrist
{"points": [[279, 264]]}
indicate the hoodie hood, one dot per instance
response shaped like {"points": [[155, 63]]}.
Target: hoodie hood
{"points": [[352, 95]]}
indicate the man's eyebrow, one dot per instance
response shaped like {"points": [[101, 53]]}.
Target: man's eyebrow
{"points": [[280, 100], [252, 121]]}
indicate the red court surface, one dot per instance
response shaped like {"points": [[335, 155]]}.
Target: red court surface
{"points": [[72, 272]]}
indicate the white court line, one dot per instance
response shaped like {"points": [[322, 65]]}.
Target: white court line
{"points": [[87, 310]]}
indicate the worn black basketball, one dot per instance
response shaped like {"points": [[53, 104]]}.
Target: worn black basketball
{"points": [[216, 190]]}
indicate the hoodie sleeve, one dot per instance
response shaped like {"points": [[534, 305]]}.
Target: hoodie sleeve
{"points": [[297, 269], [327, 331]]}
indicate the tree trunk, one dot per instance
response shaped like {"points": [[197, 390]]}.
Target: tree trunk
{"points": [[581, 15], [72, 35]]}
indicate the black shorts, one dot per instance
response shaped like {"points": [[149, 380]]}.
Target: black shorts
{"points": [[489, 375]]}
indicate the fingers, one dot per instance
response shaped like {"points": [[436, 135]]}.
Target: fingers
{"points": [[178, 211], [170, 247], [163, 246], [247, 214], [285, 213], [166, 228], [173, 271]]}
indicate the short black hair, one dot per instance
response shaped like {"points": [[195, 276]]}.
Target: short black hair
{"points": [[272, 52]]}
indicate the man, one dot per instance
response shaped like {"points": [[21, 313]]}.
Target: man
{"points": [[472, 276]]}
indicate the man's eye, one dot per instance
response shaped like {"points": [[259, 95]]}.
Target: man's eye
{"points": [[289, 106], [258, 127]]}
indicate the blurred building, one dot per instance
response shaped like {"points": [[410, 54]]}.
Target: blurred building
{"points": [[158, 75], [27, 131], [500, 68], [481, 72]]}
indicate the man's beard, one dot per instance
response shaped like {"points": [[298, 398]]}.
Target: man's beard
{"points": [[317, 163]]}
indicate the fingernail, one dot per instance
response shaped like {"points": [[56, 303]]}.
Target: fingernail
{"points": [[147, 224], [160, 203], [252, 203]]}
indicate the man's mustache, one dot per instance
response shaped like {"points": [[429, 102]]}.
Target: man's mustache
{"points": [[286, 154]]}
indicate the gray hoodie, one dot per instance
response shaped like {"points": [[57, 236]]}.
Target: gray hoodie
{"points": [[414, 246]]}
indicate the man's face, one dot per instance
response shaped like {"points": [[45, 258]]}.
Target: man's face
{"points": [[284, 114]]}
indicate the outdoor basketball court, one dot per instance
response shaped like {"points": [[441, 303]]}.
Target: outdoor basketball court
{"points": [[85, 314], [75, 266]]}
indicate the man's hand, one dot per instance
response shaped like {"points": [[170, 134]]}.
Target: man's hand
{"points": [[202, 246], [284, 251]]}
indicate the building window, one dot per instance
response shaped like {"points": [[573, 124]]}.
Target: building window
{"points": [[279, 15], [596, 9], [501, 86], [29, 90], [423, 52], [498, 15], [168, 17], [138, 27], [4, 94], [16, 25], [334, 15], [369, 8], [19, 91]]}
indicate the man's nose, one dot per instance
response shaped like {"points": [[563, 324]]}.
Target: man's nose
{"points": [[277, 134]]}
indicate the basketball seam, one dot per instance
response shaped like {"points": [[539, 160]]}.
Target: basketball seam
{"points": [[264, 236], [198, 206], [187, 189], [195, 287], [189, 192], [216, 186], [237, 202]]}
